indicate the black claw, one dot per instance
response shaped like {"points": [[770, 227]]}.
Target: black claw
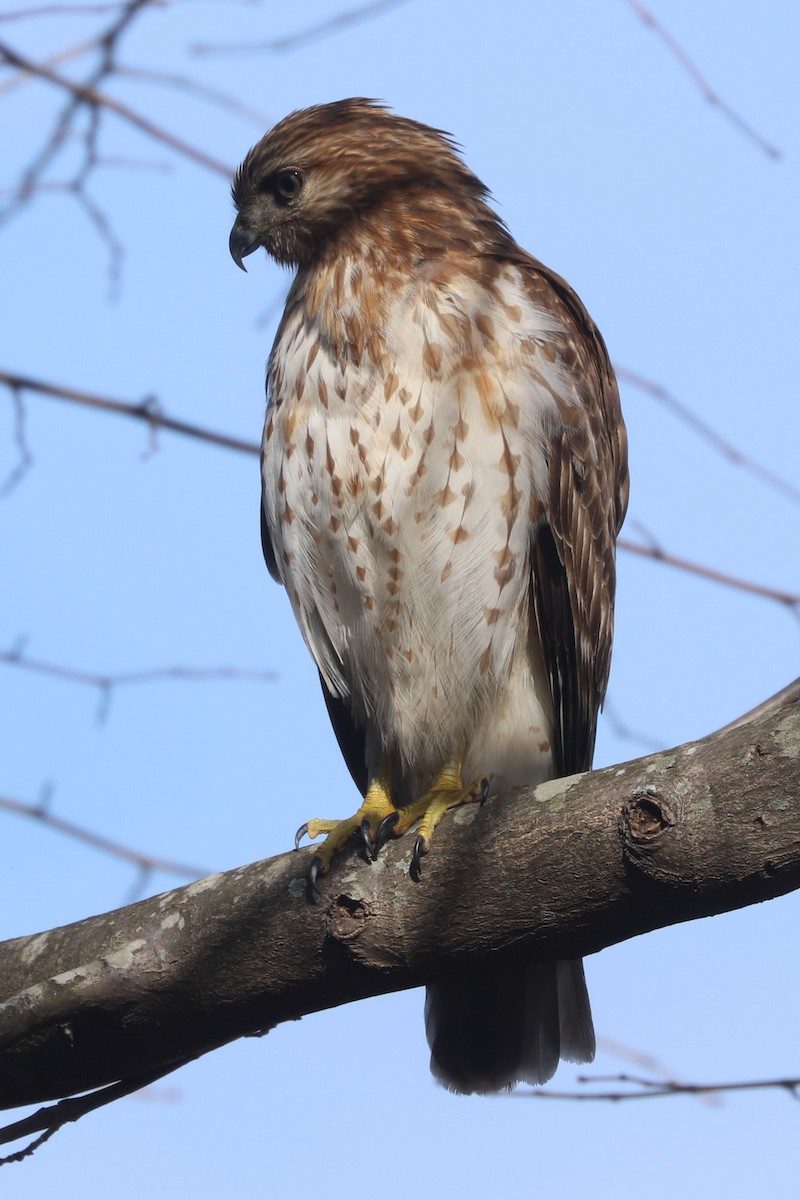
{"points": [[484, 792], [312, 891], [415, 869], [384, 829], [301, 833], [370, 852]]}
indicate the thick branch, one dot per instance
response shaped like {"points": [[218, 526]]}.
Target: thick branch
{"points": [[560, 870]]}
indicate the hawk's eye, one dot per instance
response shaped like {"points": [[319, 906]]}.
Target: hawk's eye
{"points": [[287, 185]]}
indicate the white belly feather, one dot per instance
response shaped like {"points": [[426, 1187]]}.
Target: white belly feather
{"points": [[400, 491]]}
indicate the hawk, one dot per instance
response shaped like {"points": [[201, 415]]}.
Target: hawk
{"points": [[444, 477]]}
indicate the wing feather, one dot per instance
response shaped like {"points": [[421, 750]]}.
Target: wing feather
{"points": [[573, 543], [350, 736], [268, 549]]}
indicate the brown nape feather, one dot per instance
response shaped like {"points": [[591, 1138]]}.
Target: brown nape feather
{"points": [[443, 436]]}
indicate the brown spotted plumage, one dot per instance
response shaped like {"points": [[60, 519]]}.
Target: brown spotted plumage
{"points": [[444, 476]]}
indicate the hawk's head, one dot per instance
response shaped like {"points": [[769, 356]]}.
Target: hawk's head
{"points": [[323, 171]]}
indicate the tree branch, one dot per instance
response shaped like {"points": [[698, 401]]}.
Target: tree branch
{"points": [[106, 682], [147, 863], [790, 599], [560, 870], [635, 1088], [86, 94], [718, 441], [148, 410]]}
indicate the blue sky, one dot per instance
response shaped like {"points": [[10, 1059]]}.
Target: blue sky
{"points": [[680, 236]]}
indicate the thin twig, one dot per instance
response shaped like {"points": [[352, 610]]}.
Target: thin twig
{"points": [[105, 683], [25, 458], [82, 102], [650, 1089], [626, 733], [185, 84], [790, 599], [69, 52], [648, 1062], [708, 93], [715, 439], [86, 94], [51, 1119], [101, 224], [147, 410], [145, 862], [291, 41], [60, 10]]}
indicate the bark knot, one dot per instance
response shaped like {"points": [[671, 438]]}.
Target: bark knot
{"points": [[346, 918], [645, 816]]}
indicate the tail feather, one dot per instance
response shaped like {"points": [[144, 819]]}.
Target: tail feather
{"points": [[490, 1030], [577, 1029], [538, 1035]]}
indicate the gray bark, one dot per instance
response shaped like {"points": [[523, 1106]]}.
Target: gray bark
{"points": [[558, 871]]}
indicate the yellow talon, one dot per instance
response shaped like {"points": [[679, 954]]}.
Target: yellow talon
{"points": [[376, 808], [446, 792], [378, 817]]}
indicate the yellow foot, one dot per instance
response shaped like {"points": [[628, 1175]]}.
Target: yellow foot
{"points": [[447, 792], [378, 819], [375, 820]]}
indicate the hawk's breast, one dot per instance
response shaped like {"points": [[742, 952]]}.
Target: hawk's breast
{"points": [[404, 466]]}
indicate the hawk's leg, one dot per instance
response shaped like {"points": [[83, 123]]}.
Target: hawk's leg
{"points": [[377, 819], [372, 824], [446, 792]]}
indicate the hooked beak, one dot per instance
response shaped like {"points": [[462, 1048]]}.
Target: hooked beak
{"points": [[241, 243]]}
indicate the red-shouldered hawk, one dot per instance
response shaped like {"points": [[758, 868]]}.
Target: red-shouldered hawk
{"points": [[444, 476]]}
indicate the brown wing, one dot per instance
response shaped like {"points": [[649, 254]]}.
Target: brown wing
{"points": [[349, 736], [573, 568]]}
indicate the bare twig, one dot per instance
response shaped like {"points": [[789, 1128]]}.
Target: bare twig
{"points": [[624, 731], [650, 1089], [291, 41], [708, 93], [715, 439], [272, 310], [51, 1119], [25, 458], [147, 410], [87, 94], [105, 683], [648, 1062], [790, 599], [146, 863], [134, 164], [69, 52], [60, 10], [84, 103], [98, 218], [185, 84]]}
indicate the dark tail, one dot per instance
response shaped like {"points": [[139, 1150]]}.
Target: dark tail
{"points": [[490, 1029]]}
